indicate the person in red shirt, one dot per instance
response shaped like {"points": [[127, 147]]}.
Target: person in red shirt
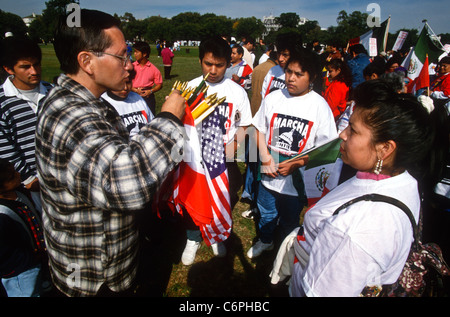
{"points": [[148, 78], [167, 57], [337, 91], [440, 87]]}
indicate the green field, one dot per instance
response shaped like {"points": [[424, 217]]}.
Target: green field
{"points": [[232, 276]]}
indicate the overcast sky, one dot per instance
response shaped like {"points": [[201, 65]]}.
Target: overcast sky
{"points": [[404, 13]]}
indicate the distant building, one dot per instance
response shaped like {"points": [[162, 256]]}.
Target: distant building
{"points": [[303, 21], [28, 19], [270, 24]]}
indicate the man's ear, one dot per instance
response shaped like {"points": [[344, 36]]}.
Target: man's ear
{"points": [[85, 60], [8, 70]]}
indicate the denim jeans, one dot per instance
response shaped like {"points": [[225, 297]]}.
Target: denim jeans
{"points": [[276, 208], [251, 181], [26, 284]]}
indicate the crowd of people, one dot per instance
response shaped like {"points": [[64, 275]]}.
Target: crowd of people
{"points": [[81, 156]]}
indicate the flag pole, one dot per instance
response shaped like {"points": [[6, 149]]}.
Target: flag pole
{"points": [[434, 34], [386, 34], [428, 87]]}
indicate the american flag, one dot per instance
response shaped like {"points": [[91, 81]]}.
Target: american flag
{"points": [[213, 153], [201, 180]]}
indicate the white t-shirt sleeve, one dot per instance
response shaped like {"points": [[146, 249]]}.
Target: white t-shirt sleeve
{"points": [[266, 83], [259, 120], [245, 111], [327, 126]]}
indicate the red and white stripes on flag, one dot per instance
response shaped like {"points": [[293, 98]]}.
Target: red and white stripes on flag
{"points": [[201, 181]]}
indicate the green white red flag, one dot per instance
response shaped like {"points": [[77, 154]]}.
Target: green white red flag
{"points": [[417, 57], [322, 172]]}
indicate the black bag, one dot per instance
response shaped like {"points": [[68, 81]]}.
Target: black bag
{"points": [[424, 267]]}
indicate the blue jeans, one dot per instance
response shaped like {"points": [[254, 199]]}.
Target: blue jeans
{"points": [[251, 181], [26, 284], [277, 208]]}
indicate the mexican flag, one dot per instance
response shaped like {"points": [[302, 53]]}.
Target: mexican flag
{"points": [[380, 33], [421, 81], [417, 58], [321, 173]]}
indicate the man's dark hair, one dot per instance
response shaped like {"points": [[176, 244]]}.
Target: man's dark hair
{"points": [[250, 40], [142, 47], [217, 46], [239, 49], [358, 49], [15, 49], [373, 68], [69, 41]]}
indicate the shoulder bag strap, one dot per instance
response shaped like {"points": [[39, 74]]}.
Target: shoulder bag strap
{"points": [[386, 199]]}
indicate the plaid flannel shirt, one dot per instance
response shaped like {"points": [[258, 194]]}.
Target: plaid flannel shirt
{"points": [[92, 178]]}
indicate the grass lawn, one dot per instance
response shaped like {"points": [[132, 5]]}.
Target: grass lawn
{"points": [[232, 276]]}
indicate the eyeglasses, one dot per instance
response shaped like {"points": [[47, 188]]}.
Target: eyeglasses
{"points": [[125, 59]]}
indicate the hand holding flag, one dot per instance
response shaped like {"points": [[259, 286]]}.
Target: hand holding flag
{"points": [[199, 105]]}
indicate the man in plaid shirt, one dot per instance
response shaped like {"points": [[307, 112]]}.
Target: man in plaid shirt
{"points": [[92, 177]]}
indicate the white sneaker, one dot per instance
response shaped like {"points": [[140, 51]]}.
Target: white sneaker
{"points": [[259, 248], [219, 249], [190, 250], [250, 214]]}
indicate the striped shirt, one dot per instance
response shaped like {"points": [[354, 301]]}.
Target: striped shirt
{"points": [[17, 128], [92, 178]]}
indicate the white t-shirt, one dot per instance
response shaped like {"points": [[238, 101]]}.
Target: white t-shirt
{"points": [[263, 58], [292, 125], [133, 110], [249, 57], [365, 244], [275, 79], [236, 108]]}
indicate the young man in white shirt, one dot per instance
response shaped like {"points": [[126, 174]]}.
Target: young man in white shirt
{"points": [[233, 114]]}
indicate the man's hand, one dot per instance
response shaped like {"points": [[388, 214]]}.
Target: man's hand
{"points": [[175, 104], [145, 93]]}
